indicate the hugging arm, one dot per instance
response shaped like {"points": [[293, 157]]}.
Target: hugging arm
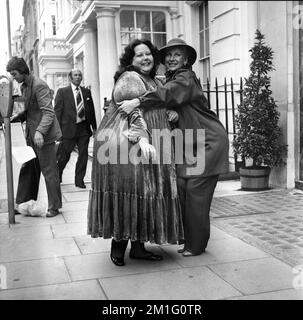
{"points": [[173, 94], [137, 126], [138, 133]]}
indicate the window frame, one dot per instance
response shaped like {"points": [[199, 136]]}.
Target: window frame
{"points": [[151, 33], [54, 24], [204, 57]]}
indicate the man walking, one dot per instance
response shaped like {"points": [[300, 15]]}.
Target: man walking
{"points": [[75, 111], [42, 130]]}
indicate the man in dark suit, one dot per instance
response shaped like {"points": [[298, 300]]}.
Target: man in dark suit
{"points": [[42, 130], [75, 112]]}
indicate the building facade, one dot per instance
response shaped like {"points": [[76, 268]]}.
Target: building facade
{"points": [[91, 35]]}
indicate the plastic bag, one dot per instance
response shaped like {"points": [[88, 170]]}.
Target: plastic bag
{"points": [[32, 208]]}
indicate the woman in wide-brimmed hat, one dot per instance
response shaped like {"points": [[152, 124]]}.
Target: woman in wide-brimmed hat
{"points": [[198, 174]]}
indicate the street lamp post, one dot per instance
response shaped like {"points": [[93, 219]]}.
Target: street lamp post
{"points": [[6, 108]]}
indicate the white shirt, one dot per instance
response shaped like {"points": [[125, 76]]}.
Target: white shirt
{"points": [[75, 99]]}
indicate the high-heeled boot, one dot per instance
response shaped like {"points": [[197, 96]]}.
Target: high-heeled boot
{"points": [[117, 252]]}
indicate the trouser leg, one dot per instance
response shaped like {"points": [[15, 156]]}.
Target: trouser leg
{"points": [[49, 169], [80, 170], [181, 184], [199, 195], [64, 151]]}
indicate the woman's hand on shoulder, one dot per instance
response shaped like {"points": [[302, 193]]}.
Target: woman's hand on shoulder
{"points": [[148, 150], [127, 106]]}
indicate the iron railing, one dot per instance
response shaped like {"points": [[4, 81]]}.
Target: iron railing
{"points": [[227, 107]]}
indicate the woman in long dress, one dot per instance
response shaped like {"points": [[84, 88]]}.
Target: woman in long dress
{"points": [[134, 195], [198, 175]]}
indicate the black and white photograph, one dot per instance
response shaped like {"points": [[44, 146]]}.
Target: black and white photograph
{"points": [[152, 152]]}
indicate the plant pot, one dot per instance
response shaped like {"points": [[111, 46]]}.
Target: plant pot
{"points": [[254, 179]]}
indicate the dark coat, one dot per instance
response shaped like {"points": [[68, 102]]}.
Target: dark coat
{"points": [[39, 112], [66, 113], [183, 92]]}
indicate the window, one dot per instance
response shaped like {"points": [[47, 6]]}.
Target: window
{"points": [[143, 24], [61, 80], [54, 27], [204, 41]]}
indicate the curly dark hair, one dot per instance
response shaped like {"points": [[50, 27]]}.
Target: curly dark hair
{"points": [[19, 64], [126, 58]]}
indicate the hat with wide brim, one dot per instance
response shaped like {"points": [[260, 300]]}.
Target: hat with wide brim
{"points": [[177, 42]]}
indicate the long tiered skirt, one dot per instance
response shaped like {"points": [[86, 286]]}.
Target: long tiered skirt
{"points": [[129, 200]]}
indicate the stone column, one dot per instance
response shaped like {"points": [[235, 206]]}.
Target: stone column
{"points": [[91, 70], [107, 50], [50, 80]]}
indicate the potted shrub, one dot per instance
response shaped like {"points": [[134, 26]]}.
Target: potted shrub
{"points": [[258, 134]]}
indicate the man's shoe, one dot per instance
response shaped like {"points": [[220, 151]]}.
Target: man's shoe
{"points": [[52, 213], [81, 185]]}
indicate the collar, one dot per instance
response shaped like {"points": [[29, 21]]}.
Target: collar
{"points": [[28, 80], [170, 74], [74, 87]]}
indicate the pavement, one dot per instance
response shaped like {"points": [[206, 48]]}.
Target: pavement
{"points": [[255, 250]]}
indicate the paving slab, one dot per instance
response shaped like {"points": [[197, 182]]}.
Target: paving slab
{"points": [[291, 294], [229, 207], [33, 273], [22, 221], [8, 234], [31, 248], [74, 206], [93, 266], [89, 245], [256, 276], [218, 251], [258, 202], [75, 196], [280, 234], [217, 234], [69, 230], [189, 283], [75, 216], [80, 290]]}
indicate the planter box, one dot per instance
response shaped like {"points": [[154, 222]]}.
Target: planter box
{"points": [[254, 179]]}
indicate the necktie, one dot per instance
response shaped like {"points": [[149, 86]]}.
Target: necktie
{"points": [[80, 106]]}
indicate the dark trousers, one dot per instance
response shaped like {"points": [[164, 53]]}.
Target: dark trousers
{"points": [[29, 177], [66, 146], [196, 195]]}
